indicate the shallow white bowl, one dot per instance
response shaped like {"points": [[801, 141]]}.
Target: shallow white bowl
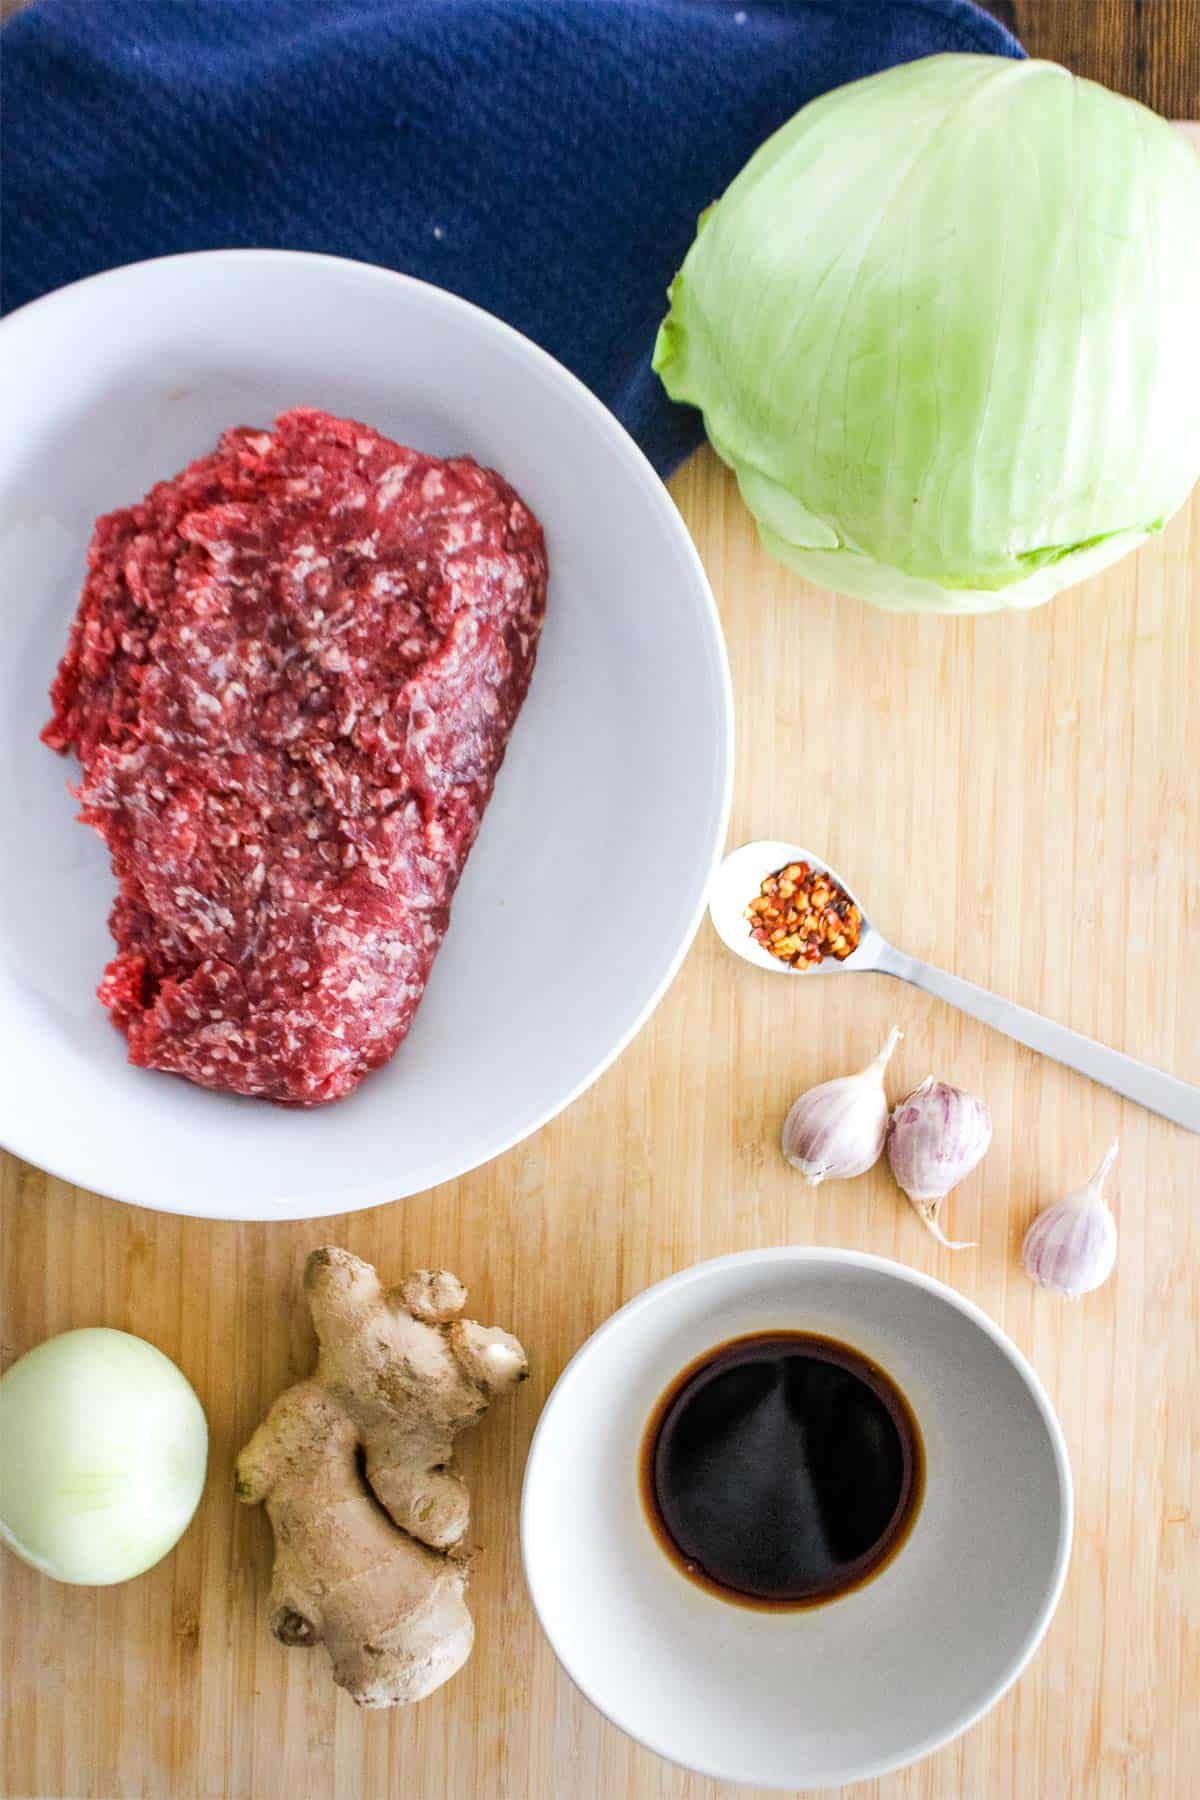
{"points": [[588, 880], [840, 1692]]}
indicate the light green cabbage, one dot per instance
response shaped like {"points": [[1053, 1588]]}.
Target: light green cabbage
{"points": [[945, 328]]}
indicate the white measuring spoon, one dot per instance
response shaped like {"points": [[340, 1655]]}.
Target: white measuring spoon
{"points": [[737, 882]]}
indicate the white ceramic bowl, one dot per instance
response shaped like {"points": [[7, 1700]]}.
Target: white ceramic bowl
{"points": [[860, 1685], [588, 880]]}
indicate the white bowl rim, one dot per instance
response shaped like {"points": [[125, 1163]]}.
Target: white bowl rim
{"points": [[859, 1259], [379, 1193]]}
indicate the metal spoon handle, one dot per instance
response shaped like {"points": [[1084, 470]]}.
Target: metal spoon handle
{"points": [[1152, 1088]]}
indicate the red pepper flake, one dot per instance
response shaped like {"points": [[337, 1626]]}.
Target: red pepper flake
{"points": [[802, 915]]}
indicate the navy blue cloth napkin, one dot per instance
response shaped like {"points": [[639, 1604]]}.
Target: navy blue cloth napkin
{"points": [[546, 158]]}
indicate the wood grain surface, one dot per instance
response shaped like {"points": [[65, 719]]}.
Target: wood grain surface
{"points": [[1147, 48], [1016, 799]]}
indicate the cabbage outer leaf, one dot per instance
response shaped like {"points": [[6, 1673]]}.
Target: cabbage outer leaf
{"points": [[945, 328]]}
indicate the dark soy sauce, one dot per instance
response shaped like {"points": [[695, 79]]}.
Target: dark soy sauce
{"points": [[782, 1469]]}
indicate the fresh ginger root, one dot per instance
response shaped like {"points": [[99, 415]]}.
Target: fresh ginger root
{"points": [[356, 1468]]}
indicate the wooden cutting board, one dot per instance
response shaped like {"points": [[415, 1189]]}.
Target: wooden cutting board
{"points": [[1016, 798]]}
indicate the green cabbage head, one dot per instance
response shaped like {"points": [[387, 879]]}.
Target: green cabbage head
{"points": [[945, 328]]}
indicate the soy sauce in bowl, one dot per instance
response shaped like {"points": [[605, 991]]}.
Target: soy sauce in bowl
{"points": [[782, 1469]]}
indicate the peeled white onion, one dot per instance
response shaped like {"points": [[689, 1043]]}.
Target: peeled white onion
{"points": [[103, 1449]]}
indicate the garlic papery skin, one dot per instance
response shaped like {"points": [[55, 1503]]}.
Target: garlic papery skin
{"points": [[1072, 1244], [837, 1130], [935, 1137]]}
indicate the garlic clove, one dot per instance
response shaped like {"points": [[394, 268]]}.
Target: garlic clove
{"points": [[935, 1137], [836, 1130], [1071, 1247]]}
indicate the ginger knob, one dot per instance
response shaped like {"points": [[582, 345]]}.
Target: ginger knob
{"points": [[355, 1467]]}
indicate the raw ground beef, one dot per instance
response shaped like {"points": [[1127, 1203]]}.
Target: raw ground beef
{"points": [[290, 682]]}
